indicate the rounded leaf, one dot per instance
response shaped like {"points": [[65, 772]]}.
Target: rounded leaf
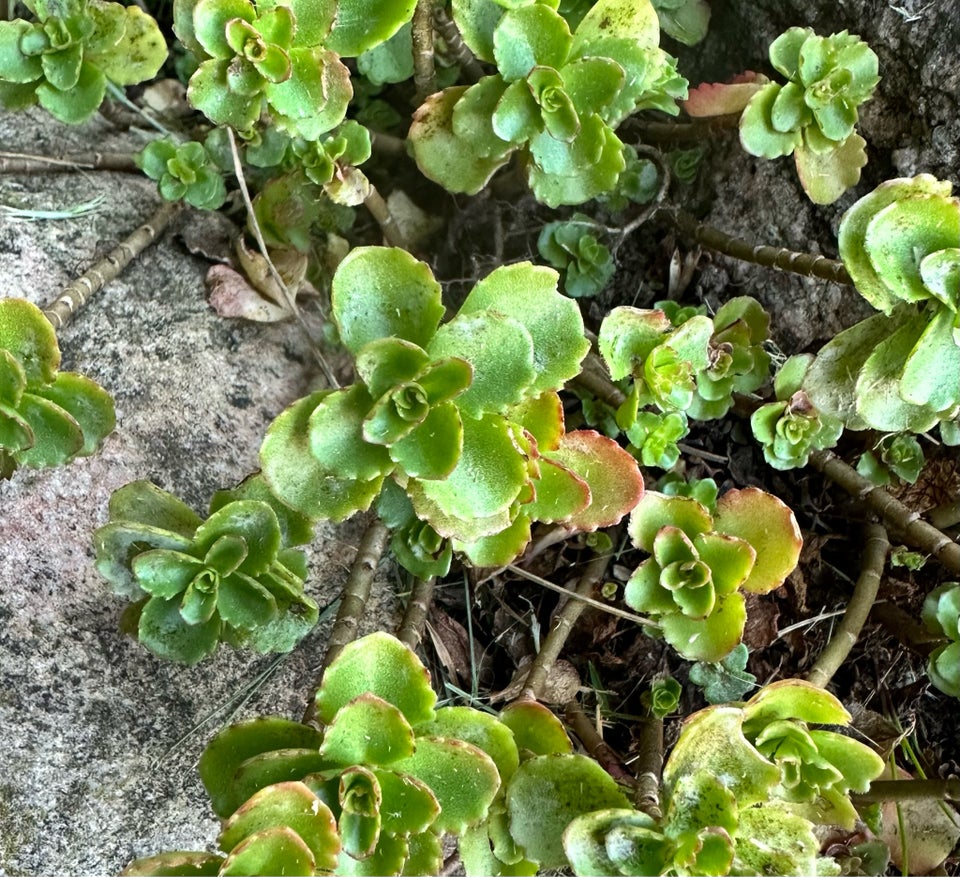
{"points": [[163, 630], [657, 510], [57, 437], [276, 850], [377, 664], [379, 292], [611, 474], [302, 481], [528, 293], [313, 100], [176, 864], [252, 521], [140, 53], [501, 353], [547, 793], [768, 525], [633, 20], [337, 440], [463, 778], [407, 806], [367, 730], [533, 36], [536, 729], [362, 24], [711, 638], [431, 449], [30, 337], [480, 729], [88, 403]]}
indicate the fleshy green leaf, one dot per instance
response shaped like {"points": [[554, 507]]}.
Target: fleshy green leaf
{"points": [[336, 436], [547, 793], [381, 665], [57, 437], [367, 730], [533, 36], [362, 24], [634, 20], [30, 337], [408, 806], [289, 805], [299, 479], [528, 293], [500, 351], [766, 524], [178, 864], [457, 163], [380, 292], [431, 450], [277, 850], [826, 176], [313, 100], [480, 729], [710, 638], [931, 374], [536, 729], [141, 51], [627, 335], [163, 630], [462, 776], [15, 66], [658, 510]]}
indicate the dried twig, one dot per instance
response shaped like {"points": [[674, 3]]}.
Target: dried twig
{"points": [[424, 66], [78, 293], [24, 163], [804, 264], [594, 743]]}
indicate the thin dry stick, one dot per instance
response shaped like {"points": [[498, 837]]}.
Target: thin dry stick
{"points": [[24, 163], [602, 751], [595, 379], [375, 203], [78, 293], [903, 520], [414, 619], [566, 618], [288, 296], [876, 546], [424, 67], [804, 264], [356, 592]]}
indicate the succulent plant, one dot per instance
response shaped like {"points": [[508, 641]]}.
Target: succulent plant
{"points": [[47, 417], [65, 59], [898, 370], [184, 172], [556, 98], [464, 417], [898, 455], [230, 577], [792, 427], [570, 247], [691, 585]]}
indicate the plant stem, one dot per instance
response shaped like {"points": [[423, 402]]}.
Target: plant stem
{"points": [[648, 767], [447, 28], [906, 522], [945, 515], [387, 145], [424, 66], [78, 293], [356, 592], [565, 619], [909, 790], [24, 163], [876, 546], [906, 629], [410, 631], [375, 203], [804, 264], [594, 743], [595, 379], [288, 297]]}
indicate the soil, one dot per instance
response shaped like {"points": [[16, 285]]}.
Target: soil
{"points": [[95, 767]]}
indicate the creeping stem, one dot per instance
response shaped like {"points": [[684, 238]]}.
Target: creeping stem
{"points": [[356, 592], [78, 293], [447, 28], [876, 546], [424, 66], [804, 264], [910, 790], [594, 743], [907, 523], [23, 163], [565, 619], [410, 631]]}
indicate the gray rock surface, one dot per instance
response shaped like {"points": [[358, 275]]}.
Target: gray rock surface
{"points": [[94, 770]]}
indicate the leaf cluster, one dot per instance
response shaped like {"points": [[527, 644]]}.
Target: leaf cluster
{"points": [[700, 564], [232, 577], [682, 364], [66, 57], [386, 776], [556, 99], [941, 614], [898, 370], [463, 418], [48, 417], [792, 427], [814, 114], [184, 171], [744, 788], [571, 246]]}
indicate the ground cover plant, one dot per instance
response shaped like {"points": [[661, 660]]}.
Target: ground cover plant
{"points": [[495, 428]]}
